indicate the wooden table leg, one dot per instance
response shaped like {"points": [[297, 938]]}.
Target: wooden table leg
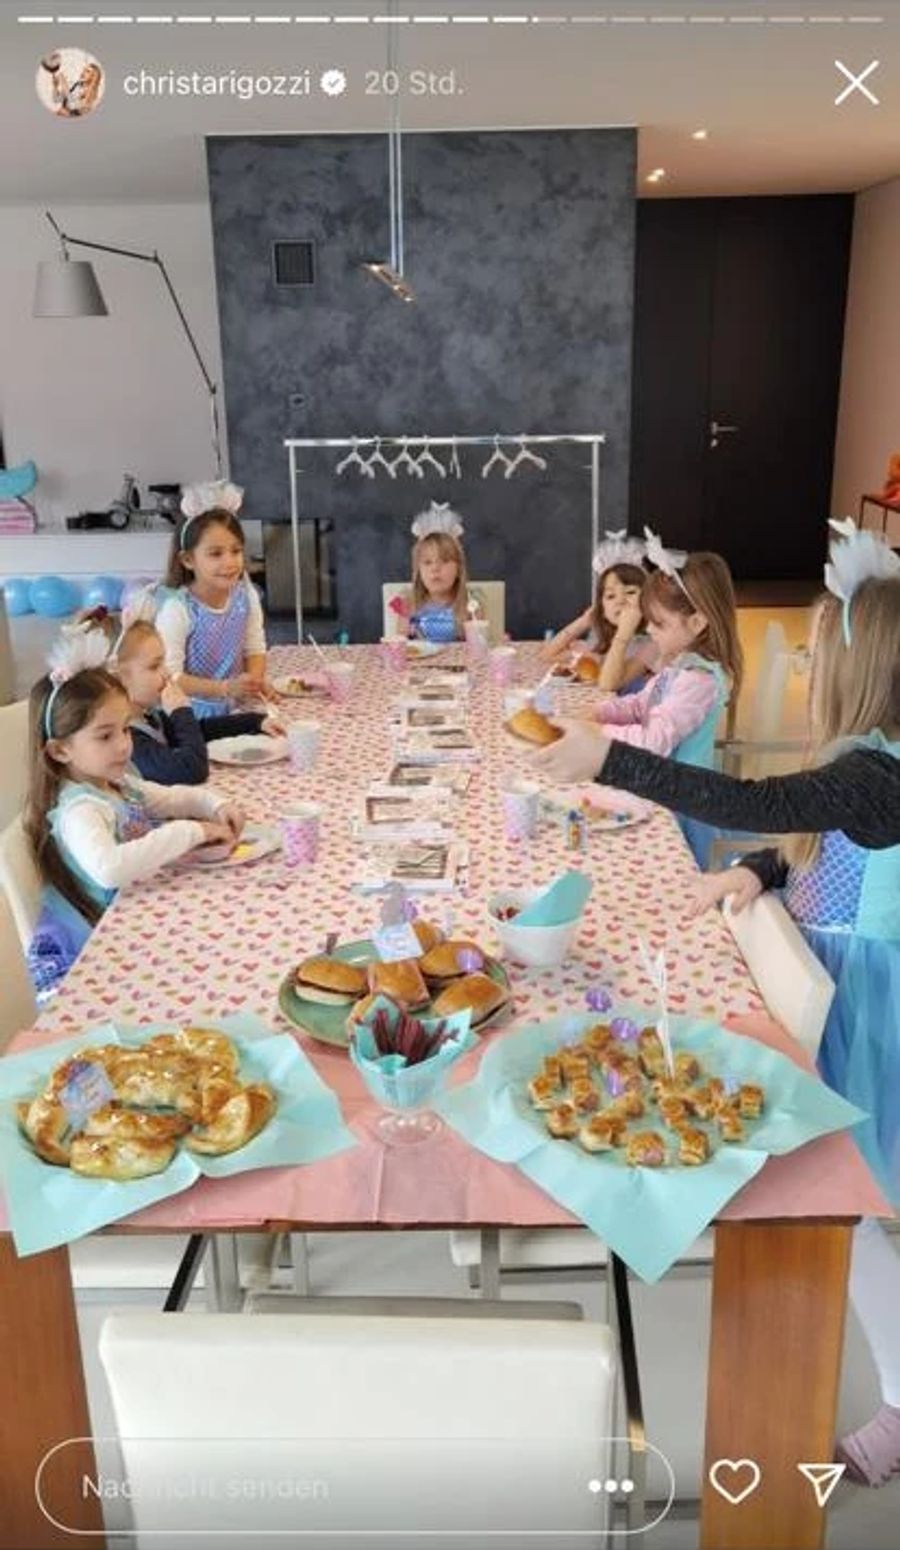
{"points": [[779, 1301], [43, 1402]]}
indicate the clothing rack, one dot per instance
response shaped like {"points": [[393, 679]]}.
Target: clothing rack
{"points": [[594, 440]]}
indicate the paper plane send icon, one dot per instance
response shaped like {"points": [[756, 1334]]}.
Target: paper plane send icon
{"points": [[823, 1478]]}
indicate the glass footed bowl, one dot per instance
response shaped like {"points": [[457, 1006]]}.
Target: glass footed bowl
{"points": [[408, 1118]]}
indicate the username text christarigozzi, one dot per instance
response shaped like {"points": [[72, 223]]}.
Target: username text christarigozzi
{"points": [[227, 83]]}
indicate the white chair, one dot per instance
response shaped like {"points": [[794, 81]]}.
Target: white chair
{"points": [[13, 759], [797, 990], [491, 596], [367, 1425], [20, 880], [17, 1005]]}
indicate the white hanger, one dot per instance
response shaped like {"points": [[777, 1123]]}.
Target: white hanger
{"points": [[354, 457], [454, 461], [378, 457], [524, 455], [496, 457], [427, 456], [405, 460]]}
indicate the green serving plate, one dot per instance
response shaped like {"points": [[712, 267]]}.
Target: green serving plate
{"points": [[329, 1023]]}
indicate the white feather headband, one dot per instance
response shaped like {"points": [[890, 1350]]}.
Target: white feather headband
{"points": [[140, 609], [439, 518], [79, 647], [855, 557], [670, 561], [617, 549], [217, 495]]}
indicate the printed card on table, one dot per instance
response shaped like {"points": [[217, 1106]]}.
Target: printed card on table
{"points": [[408, 776], [437, 745], [420, 867]]}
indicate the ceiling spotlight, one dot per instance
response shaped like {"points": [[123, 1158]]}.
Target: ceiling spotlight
{"points": [[700, 134], [385, 272], [657, 175]]}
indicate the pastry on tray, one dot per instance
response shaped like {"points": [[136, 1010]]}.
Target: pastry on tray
{"points": [[603, 1132], [584, 1095], [402, 981], [563, 1122], [750, 1100], [731, 1126], [441, 964], [543, 1092], [645, 1149], [482, 995], [429, 936], [142, 1103], [529, 725], [693, 1146], [330, 981]]}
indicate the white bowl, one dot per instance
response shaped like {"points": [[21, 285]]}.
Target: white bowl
{"points": [[539, 947]]}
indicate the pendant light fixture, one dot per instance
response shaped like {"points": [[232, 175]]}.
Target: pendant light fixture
{"points": [[390, 271]]}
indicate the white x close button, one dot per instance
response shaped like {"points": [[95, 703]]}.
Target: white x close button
{"points": [[856, 83]]}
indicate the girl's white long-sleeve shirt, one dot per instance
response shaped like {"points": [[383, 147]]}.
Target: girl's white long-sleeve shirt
{"points": [[87, 828]]}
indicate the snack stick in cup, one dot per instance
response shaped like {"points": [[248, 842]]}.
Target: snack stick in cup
{"points": [[303, 745], [300, 834]]}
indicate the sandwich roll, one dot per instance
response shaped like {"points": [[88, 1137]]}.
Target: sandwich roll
{"points": [[482, 995], [529, 725], [401, 980], [329, 981]]}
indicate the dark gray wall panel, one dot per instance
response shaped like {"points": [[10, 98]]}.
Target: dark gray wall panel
{"points": [[520, 247]]}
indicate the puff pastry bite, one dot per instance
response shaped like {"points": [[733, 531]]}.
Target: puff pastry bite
{"points": [[651, 1054], [602, 1132], [563, 1121], [687, 1067], [237, 1122], [630, 1105], [584, 1095], [109, 1157], [731, 1126], [134, 1124], [645, 1149], [553, 1069], [750, 1100], [707, 1099], [575, 1064], [209, 1044], [542, 1091], [693, 1146], [46, 1124], [673, 1112], [597, 1040]]}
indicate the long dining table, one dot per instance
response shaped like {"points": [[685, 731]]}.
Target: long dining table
{"points": [[195, 944]]}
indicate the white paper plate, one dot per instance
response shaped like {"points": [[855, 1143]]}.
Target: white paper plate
{"points": [[616, 809], [256, 841], [248, 750]]}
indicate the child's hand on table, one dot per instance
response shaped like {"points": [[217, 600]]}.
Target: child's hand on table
{"points": [[738, 883], [233, 818], [215, 834], [272, 727]]}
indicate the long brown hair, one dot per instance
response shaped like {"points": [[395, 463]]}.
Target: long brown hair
{"points": [[74, 705], [449, 548], [707, 589], [630, 576], [188, 535], [853, 688]]}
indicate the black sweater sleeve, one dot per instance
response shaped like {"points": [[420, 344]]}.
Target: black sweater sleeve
{"points": [[182, 760], [858, 792], [239, 724]]}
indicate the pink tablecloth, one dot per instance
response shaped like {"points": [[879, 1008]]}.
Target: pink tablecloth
{"points": [[194, 945]]}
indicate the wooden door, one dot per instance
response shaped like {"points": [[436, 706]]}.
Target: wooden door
{"points": [[739, 315]]}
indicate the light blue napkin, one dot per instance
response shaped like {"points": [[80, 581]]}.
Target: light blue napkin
{"points": [[563, 901], [389, 1079], [48, 1205], [648, 1216]]}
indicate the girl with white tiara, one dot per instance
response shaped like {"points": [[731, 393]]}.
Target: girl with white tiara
{"points": [[614, 622], [92, 825], [441, 604], [839, 869], [211, 618]]}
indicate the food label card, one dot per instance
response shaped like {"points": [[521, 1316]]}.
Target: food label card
{"points": [[396, 943], [86, 1089]]}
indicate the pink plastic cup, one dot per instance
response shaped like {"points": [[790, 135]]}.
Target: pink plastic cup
{"points": [[503, 666], [303, 745], [340, 681], [477, 646], [300, 834], [521, 809], [393, 653]]}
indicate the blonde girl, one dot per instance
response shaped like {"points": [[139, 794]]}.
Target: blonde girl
{"points": [[839, 868], [441, 603]]}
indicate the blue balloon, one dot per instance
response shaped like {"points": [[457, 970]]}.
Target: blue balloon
{"points": [[53, 597], [17, 596], [103, 591]]}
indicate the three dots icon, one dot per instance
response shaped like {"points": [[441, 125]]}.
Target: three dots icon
{"points": [[611, 1487]]}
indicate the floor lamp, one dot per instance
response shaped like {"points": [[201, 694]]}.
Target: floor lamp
{"points": [[68, 288]]}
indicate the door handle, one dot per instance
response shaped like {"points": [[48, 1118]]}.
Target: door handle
{"points": [[716, 430]]}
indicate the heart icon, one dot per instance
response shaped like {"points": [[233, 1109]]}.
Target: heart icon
{"points": [[726, 1475]]}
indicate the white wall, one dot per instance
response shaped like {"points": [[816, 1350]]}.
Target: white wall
{"points": [[92, 398], [869, 411]]}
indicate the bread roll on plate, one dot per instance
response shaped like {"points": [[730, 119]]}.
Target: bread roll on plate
{"points": [[442, 964], [401, 980], [330, 981], [482, 995]]}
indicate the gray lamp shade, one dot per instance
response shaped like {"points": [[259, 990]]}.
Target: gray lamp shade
{"points": [[67, 288]]}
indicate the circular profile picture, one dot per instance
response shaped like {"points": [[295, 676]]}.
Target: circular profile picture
{"points": [[70, 82]]}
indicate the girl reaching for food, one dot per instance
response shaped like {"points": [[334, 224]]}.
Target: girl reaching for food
{"points": [[92, 826], [839, 871]]}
